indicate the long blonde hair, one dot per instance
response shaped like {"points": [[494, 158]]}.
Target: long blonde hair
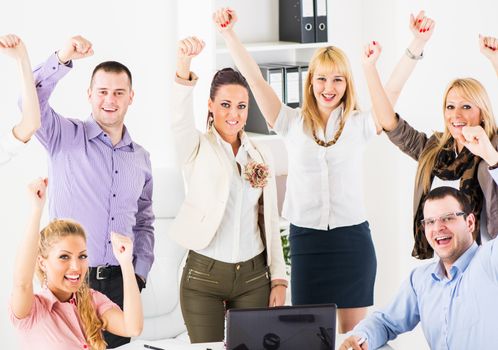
{"points": [[92, 324], [330, 59], [472, 90]]}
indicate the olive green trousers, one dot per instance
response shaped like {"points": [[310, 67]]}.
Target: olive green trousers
{"points": [[210, 287]]}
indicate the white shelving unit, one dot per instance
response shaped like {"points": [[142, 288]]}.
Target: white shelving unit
{"points": [[273, 46], [257, 27]]}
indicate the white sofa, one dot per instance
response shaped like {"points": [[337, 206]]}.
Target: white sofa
{"points": [[162, 314]]}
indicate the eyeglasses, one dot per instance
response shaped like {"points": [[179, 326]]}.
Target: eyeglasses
{"points": [[445, 219]]}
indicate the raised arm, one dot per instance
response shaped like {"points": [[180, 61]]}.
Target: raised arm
{"points": [[129, 321], [474, 137], [13, 46], [422, 28], [55, 130], [188, 48], [24, 268], [185, 134], [381, 106], [489, 48], [266, 98]]}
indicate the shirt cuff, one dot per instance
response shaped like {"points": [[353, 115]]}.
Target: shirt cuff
{"points": [[12, 145], [192, 80], [279, 282], [494, 174]]}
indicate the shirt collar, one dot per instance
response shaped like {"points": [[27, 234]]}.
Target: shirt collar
{"points": [[336, 113], [52, 299], [94, 130], [245, 144], [458, 266]]}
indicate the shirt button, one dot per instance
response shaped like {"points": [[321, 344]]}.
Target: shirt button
{"points": [[53, 68], [105, 135], [109, 242], [112, 218], [114, 195], [237, 267], [115, 171]]}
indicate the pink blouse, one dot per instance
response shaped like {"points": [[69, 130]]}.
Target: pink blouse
{"points": [[55, 325]]}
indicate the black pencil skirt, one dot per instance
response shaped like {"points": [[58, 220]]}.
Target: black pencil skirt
{"points": [[333, 266]]}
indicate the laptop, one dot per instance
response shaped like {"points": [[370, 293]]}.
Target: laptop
{"points": [[309, 327]]}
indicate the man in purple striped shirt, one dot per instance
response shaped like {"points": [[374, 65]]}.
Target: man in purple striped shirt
{"points": [[99, 176]]}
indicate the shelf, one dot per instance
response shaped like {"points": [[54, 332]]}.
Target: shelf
{"points": [[272, 46], [257, 136]]}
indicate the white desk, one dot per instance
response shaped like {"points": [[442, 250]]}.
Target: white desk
{"points": [[173, 344]]}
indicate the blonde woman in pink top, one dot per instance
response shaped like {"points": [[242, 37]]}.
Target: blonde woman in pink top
{"points": [[67, 314]]}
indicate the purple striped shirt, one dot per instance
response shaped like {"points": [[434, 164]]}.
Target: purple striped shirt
{"points": [[104, 187]]}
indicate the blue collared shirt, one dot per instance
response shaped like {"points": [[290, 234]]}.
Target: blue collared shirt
{"points": [[494, 174], [456, 312]]}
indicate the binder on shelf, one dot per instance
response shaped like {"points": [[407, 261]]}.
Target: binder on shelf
{"points": [[303, 74], [292, 90], [295, 74], [321, 27], [296, 21], [274, 75]]}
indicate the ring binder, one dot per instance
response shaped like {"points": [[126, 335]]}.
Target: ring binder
{"points": [[297, 21]]}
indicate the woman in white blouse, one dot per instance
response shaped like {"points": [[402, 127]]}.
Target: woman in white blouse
{"points": [[229, 219], [13, 46], [332, 254]]}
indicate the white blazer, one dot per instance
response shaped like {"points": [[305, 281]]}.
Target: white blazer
{"points": [[207, 172]]}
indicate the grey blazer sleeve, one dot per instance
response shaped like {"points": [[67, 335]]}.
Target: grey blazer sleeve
{"points": [[410, 141]]}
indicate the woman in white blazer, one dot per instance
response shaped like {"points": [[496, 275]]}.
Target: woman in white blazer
{"points": [[229, 219]]}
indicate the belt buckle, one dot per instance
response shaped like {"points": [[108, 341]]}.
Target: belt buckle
{"points": [[101, 272]]}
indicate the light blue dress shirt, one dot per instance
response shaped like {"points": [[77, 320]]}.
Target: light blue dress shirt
{"points": [[459, 312], [494, 174]]}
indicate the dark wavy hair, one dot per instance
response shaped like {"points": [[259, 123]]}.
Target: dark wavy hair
{"points": [[225, 76]]}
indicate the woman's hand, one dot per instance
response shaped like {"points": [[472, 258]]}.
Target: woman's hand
{"points": [[475, 139], [224, 19], [188, 48], [37, 191], [277, 296], [371, 53], [122, 247], [489, 47], [13, 46], [421, 26]]}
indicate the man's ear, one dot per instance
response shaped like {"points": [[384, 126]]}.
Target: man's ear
{"points": [[471, 222], [132, 95], [89, 93]]}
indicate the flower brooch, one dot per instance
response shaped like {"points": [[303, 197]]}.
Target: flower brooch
{"points": [[256, 174]]}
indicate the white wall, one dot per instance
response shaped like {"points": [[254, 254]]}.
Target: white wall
{"points": [[143, 35]]}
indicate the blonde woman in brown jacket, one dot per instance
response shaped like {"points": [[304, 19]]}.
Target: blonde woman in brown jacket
{"points": [[461, 156]]}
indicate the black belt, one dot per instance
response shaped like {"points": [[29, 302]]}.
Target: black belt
{"points": [[104, 272]]}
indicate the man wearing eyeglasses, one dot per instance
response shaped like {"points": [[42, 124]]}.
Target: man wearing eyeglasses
{"points": [[455, 297]]}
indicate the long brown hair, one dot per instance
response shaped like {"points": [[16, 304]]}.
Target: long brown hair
{"points": [[472, 90], [92, 324], [328, 59]]}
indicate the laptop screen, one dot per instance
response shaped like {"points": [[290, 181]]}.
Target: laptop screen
{"points": [[310, 327]]}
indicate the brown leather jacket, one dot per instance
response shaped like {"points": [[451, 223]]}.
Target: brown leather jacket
{"points": [[413, 143]]}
